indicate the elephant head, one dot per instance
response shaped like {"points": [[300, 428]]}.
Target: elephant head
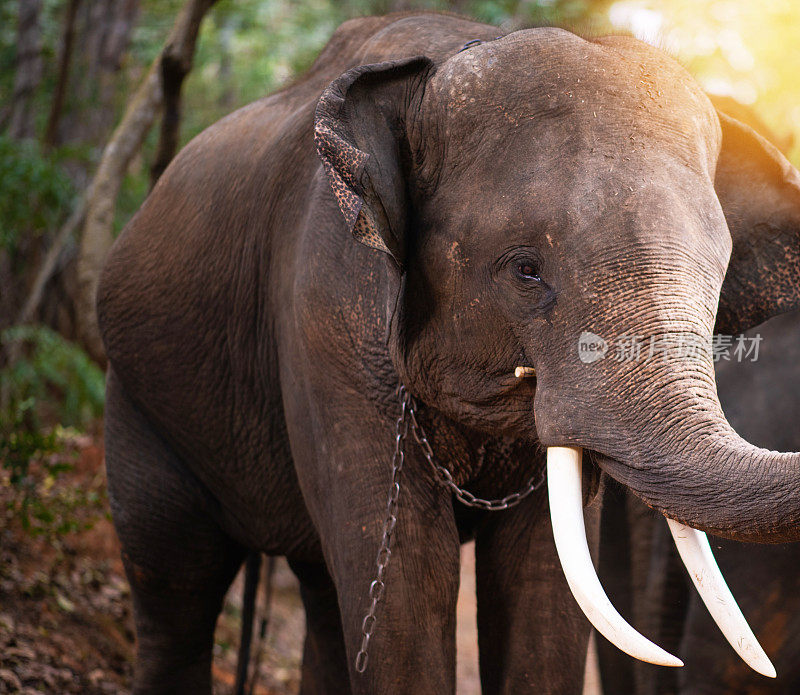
{"points": [[539, 188]]}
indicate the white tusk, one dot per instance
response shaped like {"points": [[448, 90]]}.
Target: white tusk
{"points": [[566, 513], [705, 573]]}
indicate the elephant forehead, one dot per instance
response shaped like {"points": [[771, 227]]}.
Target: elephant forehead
{"points": [[611, 93]]}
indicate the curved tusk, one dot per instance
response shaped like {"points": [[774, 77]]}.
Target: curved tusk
{"points": [[705, 573], [566, 513]]}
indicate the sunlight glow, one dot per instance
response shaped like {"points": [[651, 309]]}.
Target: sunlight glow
{"points": [[735, 48]]}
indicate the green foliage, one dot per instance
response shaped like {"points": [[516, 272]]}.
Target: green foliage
{"points": [[33, 461], [36, 191], [52, 380], [20, 443], [49, 20], [20, 446], [51, 371]]}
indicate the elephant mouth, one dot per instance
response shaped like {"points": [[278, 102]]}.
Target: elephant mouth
{"points": [[565, 490]]}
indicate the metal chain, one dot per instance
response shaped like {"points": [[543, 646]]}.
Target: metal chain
{"points": [[408, 417], [465, 496], [377, 587]]}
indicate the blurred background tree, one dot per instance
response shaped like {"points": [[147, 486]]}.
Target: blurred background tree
{"points": [[74, 73]]}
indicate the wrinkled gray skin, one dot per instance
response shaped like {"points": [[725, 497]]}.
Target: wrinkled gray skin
{"points": [[761, 400], [526, 189], [639, 565]]}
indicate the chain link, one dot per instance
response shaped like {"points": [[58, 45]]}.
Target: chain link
{"points": [[406, 420], [465, 496], [377, 588]]}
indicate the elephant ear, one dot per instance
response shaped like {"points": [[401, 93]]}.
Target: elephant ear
{"points": [[759, 191], [359, 127]]}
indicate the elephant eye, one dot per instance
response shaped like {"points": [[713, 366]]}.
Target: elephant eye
{"points": [[527, 271]]}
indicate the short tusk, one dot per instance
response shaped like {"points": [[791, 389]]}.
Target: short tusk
{"points": [[566, 513], [705, 573]]}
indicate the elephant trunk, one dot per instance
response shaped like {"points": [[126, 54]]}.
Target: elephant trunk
{"points": [[665, 437], [652, 414], [708, 477]]}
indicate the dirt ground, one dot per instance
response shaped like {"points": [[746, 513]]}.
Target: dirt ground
{"points": [[65, 616]]}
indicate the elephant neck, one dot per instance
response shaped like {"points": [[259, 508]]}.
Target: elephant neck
{"points": [[490, 467]]}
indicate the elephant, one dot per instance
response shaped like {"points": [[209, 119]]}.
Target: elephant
{"points": [[746, 114], [761, 400], [315, 322], [643, 573]]}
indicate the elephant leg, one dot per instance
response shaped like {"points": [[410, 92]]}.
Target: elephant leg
{"points": [[532, 636], [662, 601], [324, 655], [617, 577], [764, 579], [342, 456], [178, 562]]}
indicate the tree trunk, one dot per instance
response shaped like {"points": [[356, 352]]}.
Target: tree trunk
{"points": [[227, 96], [20, 116], [101, 202], [65, 58], [22, 121], [176, 62], [50, 262], [178, 54], [102, 30]]}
